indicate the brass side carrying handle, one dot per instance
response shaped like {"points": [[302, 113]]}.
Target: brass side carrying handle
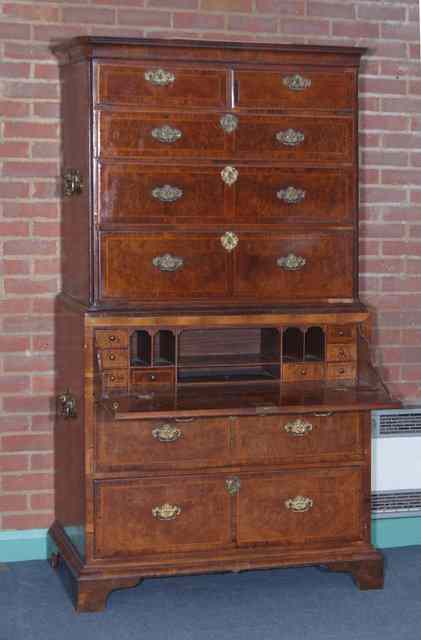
{"points": [[168, 262], [291, 262], [296, 82], [166, 511], [299, 504], [290, 137], [298, 427], [160, 77], [233, 485], [167, 433], [291, 195], [166, 134], [72, 182], [167, 193], [67, 405]]}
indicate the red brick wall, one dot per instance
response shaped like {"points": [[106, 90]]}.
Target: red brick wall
{"points": [[30, 210]]}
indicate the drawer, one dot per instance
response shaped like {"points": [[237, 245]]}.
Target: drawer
{"points": [[168, 135], [113, 358], [345, 370], [341, 352], [161, 85], [341, 333], [166, 442], [151, 378], [295, 88], [115, 379], [161, 515], [302, 371], [299, 438], [172, 266], [113, 338], [305, 507], [150, 194], [294, 268]]}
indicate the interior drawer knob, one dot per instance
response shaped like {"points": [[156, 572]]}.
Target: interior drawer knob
{"points": [[291, 195], [299, 504], [290, 137], [168, 262], [112, 338], [167, 433], [296, 82], [166, 511], [291, 262], [111, 356], [167, 193], [166, 134], [298, 427], [160, 77]]}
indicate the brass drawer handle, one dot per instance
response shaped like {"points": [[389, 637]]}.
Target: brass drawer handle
{"points": [[167, 193], [229, 175], [291, 262], [167, 433], [229, 240], [324, 414], [298, 427], [229, 122], [168, 262], [299, 504], [290, 137], [232, 485], [166, 511], [72, 182], [166, 134], [160, 77], [296, 82], [291, 195]]}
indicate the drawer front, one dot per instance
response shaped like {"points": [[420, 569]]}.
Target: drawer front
{"points": [[163, 135], [302, 372], [168, 135], [161, 85], [138, 444], [341, 333], [113, 358], [131, 193], [276, 196], [299, 438], [294, 268], [341, 352], [302, 507], [152, 378], [295, 89], [161, 515], [343, 371], [296, 138], [115, 379], [108, 339], [163, 267]]}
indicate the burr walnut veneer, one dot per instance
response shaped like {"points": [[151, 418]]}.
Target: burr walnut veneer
{"points": [[214, 380]]}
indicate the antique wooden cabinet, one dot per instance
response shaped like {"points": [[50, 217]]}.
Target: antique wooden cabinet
{"points": [[214, 379]]}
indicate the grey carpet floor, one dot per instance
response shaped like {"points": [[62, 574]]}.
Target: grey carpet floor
{"points": [[288, 604]]}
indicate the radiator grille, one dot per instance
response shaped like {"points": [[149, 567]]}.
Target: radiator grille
{"points": [[389, 504], [397, 422]]}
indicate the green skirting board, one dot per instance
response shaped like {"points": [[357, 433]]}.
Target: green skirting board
{"points": [[31, 544]]}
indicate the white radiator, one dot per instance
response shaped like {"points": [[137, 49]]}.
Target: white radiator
{"points": [[396, 469]]}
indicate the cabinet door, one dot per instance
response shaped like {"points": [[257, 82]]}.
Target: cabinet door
{"points": [[148, 515], [161, 267], [309, 506], [294, 268]]}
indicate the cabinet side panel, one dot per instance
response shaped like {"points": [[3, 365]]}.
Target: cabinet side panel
{"points": [[69, 431], [76, 208]]}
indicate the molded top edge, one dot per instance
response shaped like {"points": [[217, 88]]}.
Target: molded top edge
{"points": [[89, 43]]}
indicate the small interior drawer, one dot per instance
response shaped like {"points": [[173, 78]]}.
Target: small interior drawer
{"points": [[302, 372], [341, 333], [111, 339], [112, 358], [341, 352], [345, 370], [115, 379]]}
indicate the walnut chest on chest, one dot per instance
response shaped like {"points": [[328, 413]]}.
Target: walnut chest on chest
{"points": [[214, 380]]}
